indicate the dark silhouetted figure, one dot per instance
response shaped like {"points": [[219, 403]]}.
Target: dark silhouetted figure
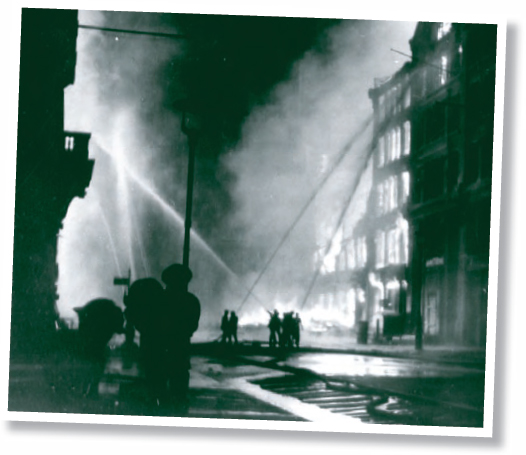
{"points": [[287, 330], [182, 313], [275, 326], [232, 328], [224, 327], [145, 310], [297, 330], [99, 320]]}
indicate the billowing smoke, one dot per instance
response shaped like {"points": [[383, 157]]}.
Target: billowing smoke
{"points": [[288, 146], [251, 182]]}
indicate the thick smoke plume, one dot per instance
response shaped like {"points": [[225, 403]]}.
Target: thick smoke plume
{"points": [[288, 146], [131, 217]]}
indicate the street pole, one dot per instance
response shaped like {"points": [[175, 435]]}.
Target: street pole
{"points": [[189, 198], [417, 266], [189, 127]]}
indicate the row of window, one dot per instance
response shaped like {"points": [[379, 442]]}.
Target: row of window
{"points": [[395, 99], [392, 246], [394, 143], [392, 193], [352, 255], [432, 75]]}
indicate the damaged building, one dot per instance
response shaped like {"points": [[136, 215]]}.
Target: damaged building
{"points": [[52, 168], [424, 241]]}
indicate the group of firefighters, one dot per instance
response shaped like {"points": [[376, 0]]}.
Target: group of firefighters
{"points": [[165, 317], [284, 332], [166, 320], [229, 328]]}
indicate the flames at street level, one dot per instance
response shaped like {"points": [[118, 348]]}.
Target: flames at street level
{"points": [[248, 190]]}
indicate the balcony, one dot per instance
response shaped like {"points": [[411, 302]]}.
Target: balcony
{"points": [[76, 144], [74, 163]]}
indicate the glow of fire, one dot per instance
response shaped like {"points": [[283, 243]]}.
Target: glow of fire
{"points": [[377, 284], [329, 261], [318, 318]]}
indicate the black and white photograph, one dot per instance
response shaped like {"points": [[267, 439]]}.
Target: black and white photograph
{"points": [[265, 222]]}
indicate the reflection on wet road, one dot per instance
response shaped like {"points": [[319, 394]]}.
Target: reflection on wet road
{"points": [[361, 365]]}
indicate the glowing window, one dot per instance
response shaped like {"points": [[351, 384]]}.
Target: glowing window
{"points": [[392, 193], [381, 151], [407, 97], [351, 255], [381, 198], [443, 29], [393, 144], [393, 252], [70, 143], [397, 146], [407, 138], [443, 70], [404, 240], [361, 252], [405, 186]]}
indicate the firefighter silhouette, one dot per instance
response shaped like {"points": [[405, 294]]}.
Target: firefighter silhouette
{"points": [[275, 326], [99, 320], [145, 310], [224, 327], [297, 330], [232, 328], [181, 319]]}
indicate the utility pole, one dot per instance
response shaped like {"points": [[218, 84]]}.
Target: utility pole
{"points": [[417, 272]]}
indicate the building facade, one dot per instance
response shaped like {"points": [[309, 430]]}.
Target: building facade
{"points": [[425, 235], [388, 227], [52, 168], [453, 85]]}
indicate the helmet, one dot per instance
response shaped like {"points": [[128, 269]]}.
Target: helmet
{"points": [[176, 274], [142, 290]]}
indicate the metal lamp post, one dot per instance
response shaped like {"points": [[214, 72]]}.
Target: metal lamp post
{"points": [[190, 126]]}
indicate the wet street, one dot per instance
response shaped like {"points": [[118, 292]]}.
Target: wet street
{"points": [[374, 389], [323, 387]]}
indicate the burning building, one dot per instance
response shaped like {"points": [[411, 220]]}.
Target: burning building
{"points": [[364, 273], [388, 228], [52, 169], [417, 262]]}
